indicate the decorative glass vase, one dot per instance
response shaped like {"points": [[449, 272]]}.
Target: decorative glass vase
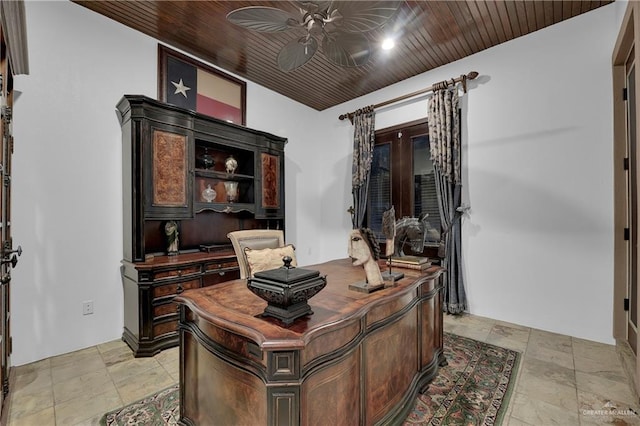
{"points": [[206, 160], [232, 190], [230, 164], [209, 194]]}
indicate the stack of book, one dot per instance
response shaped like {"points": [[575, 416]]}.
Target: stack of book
{"points": [[410, 262]]}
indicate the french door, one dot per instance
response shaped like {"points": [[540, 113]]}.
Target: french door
{"points": [[402, 176]]}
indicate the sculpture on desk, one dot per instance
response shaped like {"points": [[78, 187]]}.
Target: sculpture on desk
{"points": [[365, 251], [410, 230], [389, 232], [171, 231]]}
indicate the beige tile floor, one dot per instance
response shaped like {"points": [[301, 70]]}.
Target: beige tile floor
{"points": [[562, 380]]}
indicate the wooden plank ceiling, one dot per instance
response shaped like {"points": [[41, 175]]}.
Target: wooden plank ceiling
{"points": [[429, 34]]}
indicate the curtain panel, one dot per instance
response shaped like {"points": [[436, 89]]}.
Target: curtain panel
{"points": [[444, 140], [364, 138]]}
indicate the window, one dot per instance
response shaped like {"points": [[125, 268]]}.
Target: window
{"points": [[402, 175]]}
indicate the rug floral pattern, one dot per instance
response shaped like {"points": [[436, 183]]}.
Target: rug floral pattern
{"points": [[472, 389]]}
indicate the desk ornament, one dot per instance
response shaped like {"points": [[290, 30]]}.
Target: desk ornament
{"points": [[209, 194], [206, 160], [389, 232], [171, 232], [231, 187], [230, 164], [287, 290], [365, 251]]}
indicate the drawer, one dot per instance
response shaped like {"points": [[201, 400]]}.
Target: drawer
{"points": [[222, 264], [172, 289], [220, 276], [165, 328], [177, 273], [170, 308]]}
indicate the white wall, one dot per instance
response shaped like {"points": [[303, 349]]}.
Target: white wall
{"points": [[67, 196], [538, 242]]}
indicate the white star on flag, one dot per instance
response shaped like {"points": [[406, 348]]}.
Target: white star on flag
{"points": [[180, 88]]}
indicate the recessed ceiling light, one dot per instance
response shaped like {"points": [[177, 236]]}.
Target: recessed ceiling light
{"points": [[388, 44]]}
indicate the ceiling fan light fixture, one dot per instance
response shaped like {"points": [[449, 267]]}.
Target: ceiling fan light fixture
{"points": [[388, 43], [340, 25]]}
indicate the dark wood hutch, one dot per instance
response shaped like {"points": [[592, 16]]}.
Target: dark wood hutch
{"points": [[172, 158]]}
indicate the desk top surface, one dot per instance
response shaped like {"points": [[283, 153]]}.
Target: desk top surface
{"points": [[233, 307]]}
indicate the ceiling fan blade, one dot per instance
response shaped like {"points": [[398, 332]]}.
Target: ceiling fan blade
{"points": [[347, 50], [296, 53], [313, 6], [263, 19], [362, 16]]}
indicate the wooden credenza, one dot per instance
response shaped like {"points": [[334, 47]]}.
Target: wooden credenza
{"points": [[360, 359], [150, 314], [174, 172]]}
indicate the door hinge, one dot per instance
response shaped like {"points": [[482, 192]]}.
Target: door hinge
{"points": [[626, 234], [624, 94], [625, 163], [7, 180], [626, 304]]}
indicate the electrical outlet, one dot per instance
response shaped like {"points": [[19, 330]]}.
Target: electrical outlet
{"points": [[87, 307]]}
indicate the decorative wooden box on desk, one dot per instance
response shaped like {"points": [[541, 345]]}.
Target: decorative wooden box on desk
{"points": [[205, 178], [359, 359]]}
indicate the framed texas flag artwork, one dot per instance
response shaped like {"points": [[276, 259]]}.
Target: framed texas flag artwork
{"points": [[188, 83]]}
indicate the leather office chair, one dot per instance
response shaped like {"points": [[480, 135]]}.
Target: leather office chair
{"points": [[254, 239]]}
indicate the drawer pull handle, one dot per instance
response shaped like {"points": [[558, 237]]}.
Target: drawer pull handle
{"points": [[221, 273], [179, 272], [180, 289]]}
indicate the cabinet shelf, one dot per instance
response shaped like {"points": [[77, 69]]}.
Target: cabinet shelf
{"points": [[224, 207], [213, 174]]}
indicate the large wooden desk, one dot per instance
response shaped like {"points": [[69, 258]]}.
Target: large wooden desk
{"points": [[360, 359]]}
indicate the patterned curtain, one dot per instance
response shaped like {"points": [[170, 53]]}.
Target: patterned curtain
{"points": [[444, 140], [364, 137]]}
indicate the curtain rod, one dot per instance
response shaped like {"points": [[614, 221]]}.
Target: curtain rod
{"points": [[463, 78]]}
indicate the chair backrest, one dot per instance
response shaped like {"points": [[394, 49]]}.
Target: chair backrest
{"points": [[254, 239]]}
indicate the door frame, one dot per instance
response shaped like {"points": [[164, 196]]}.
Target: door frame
{"points": [[628, 37]]}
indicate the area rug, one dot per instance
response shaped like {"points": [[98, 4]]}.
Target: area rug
{"points": [[472, 389]]}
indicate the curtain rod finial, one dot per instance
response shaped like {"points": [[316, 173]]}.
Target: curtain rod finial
{"points": [[472, 75]]}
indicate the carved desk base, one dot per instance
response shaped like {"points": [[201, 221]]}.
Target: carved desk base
{"points": [[360, 359]]}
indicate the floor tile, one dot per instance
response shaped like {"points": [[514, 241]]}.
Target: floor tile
{"points": [[537, 412], [543, 353], [33, 380], [549, 371], [90, 384], [553, 341], [77, 368], [87, 407], [538, 388], [139, 386], [45, 417], [133, 367], [29, 403], [116, 355], [74, 357], [609, 389]]}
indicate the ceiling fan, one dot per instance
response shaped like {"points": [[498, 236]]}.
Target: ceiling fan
{"points": [[339, 25]]}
